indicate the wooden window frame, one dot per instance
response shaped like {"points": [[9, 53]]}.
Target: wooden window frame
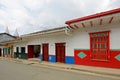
{"points": [[100, 46]]}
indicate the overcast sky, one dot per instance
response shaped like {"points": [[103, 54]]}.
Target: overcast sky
{"points": [[35, 15]]}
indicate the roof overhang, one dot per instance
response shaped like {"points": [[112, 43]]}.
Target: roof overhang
{"points": [[7, 34], [1, 44], [10, 41], [108, 17], [49, 31]]}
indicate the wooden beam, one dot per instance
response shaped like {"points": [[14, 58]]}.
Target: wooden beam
{"points": [[101, 21], [83, 25], [68, 27], [91, 23], [71, 27], [111, 19], [76, 26]]}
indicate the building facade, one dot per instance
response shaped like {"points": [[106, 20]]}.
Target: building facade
{"points": [[51, 45], [96, 39], [6, 45]]}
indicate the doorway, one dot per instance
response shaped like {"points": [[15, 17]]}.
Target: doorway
{"points": [[34, 51], [60, 52], [30, 51], [45, 49]]}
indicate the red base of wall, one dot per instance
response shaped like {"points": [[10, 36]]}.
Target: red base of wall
{"points": [[112, 63]]}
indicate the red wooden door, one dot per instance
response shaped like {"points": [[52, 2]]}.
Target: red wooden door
{"points": [[30, 51], [60, 52], [45, 49], [58, 56], [63, 53]]}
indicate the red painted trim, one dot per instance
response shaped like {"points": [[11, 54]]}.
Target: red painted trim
{"points": [[112, 63], [91, 23], [90, 46], [94, 16], [101, 21], [76, 26], [109, 45], [111, 19], [83, 25]]}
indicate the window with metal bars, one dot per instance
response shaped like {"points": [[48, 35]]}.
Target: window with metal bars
{"points": [[99, 46]]}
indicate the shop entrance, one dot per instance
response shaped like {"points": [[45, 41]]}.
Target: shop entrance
{"points": [[34, 51]]}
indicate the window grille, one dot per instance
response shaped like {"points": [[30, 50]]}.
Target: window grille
{"points": [[99, 45]]}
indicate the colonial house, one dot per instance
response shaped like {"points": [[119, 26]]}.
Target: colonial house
{"points": [[96, 39], [6, 45], [52, 45]]}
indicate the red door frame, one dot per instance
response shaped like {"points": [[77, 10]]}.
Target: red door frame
{"points": [[30, 51], [45, 50], [60, 52]]}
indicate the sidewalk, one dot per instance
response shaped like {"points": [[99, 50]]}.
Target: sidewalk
{"points": [[90, 69]]}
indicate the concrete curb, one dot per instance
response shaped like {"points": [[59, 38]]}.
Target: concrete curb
{"points": [[103, 73]]}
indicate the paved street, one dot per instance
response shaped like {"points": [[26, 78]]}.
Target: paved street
{"points": [[17, 71]]}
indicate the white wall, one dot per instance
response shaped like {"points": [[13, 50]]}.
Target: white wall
{"points": [[1, 49], [20, 44], [78, 40], [115, 37], [82, 41], [51, 39]]}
